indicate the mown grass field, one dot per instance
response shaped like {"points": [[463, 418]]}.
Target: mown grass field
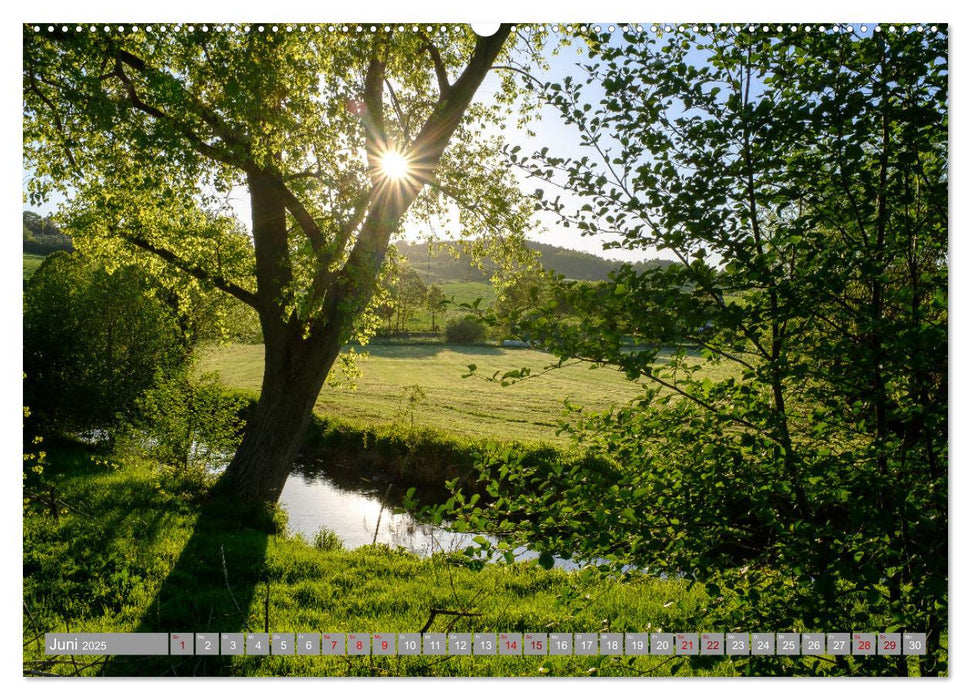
{"points": [[465, 292], [31, 263], [528, 411], [161, 556]]}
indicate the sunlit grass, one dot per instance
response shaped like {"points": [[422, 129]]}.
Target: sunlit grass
{"points": [[31, 263], [469, 406], [100, 565], [528, 411]]}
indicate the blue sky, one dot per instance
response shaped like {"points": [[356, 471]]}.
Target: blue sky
{"points": [[562, 140]]}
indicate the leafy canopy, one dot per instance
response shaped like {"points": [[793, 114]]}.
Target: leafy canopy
{"points": [[152, 132]]}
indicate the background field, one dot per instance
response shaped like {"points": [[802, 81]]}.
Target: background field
{"points": [[31, 262], [527, 411], [457, 292]]}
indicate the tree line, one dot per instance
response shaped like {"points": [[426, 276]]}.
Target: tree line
{"points": [[42, 236]]}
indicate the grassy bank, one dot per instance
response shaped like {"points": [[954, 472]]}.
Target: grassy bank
{"points": [[131, 546], [403, 454]]}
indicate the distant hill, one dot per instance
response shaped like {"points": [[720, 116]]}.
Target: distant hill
{"points": [[438, 266], [41, 237]]}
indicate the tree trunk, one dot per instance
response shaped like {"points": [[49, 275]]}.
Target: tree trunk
{"points": [[294, 364], [293, 375]]}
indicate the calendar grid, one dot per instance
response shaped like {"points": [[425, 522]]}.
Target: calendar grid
{"points": [[472, 644]]}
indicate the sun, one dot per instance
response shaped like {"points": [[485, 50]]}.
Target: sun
{"points": [[394, 165]]}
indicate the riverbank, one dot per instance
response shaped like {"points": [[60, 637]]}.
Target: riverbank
{"points": [[113, 546]]}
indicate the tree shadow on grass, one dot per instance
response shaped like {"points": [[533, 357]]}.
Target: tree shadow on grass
{"points": [[210, 589]]}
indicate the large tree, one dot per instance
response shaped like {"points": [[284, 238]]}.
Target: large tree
{"points": [[331, 132]]}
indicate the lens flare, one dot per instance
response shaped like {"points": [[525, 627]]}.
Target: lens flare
{"points": [[394, 165]]}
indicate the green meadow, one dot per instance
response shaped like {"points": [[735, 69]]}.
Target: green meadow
{"points": [[161, 555], [424, 385], [31, 263]]}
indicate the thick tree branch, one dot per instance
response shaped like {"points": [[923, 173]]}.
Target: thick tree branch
{"points": [[196, 141], [375, 137], [299, 212], [274, 267], [217, 281], [440, 73]]}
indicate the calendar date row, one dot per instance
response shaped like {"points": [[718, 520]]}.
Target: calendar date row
{"points": [[490, 644]]}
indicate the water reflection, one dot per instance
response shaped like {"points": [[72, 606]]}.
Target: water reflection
{"points": [[354, 507], [355, 510]]}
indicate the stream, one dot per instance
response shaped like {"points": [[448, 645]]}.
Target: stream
{"points": [[353, 507]]}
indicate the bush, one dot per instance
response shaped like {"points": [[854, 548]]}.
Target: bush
{"points": [[94, 341], [191, 423], [465, 331]]}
